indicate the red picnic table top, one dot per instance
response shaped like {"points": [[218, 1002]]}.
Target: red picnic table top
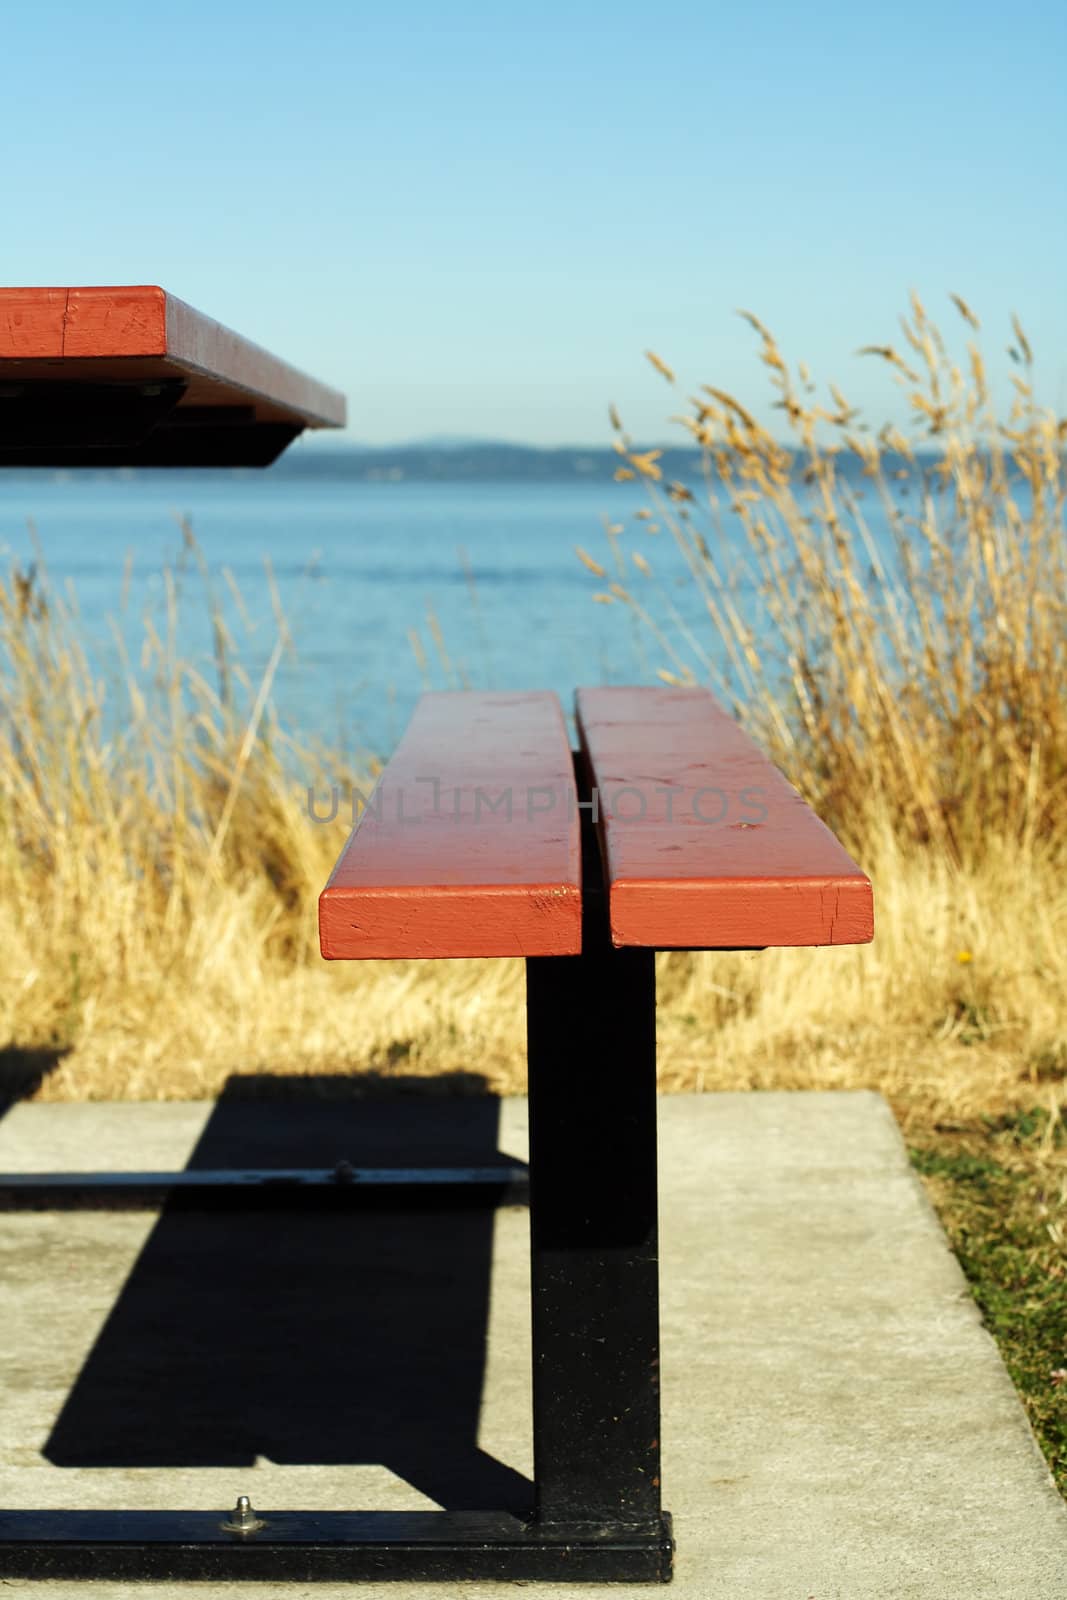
{"points": [[132, 376]]}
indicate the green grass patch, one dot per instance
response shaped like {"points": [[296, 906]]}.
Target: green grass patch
{"points": [[1000, 1188]]}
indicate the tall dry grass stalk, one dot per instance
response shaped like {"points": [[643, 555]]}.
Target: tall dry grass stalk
{"points": [[151, 848], [159, 871], [924, 680], [914, 687]]}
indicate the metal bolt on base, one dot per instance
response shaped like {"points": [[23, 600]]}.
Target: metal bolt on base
{"points": [[242, 1518]]}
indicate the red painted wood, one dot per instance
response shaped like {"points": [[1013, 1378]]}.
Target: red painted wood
{"points": [[710, 848], [31, 323], [141, 333], [115, 322], [438, 873]]}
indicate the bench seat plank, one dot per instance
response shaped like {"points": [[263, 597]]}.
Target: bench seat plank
{"points": [[124, 338], [436, 866], [705, 844]]}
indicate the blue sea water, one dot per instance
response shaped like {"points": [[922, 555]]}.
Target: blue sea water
{"points": [[359, 568]]}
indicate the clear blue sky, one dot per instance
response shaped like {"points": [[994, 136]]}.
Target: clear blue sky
{"points": [[474, 218]]}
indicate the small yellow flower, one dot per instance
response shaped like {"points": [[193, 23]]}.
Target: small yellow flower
{"points": [[963, 956]]}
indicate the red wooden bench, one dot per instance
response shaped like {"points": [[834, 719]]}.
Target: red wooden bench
{"points": [[471, 846], [667, 829]]}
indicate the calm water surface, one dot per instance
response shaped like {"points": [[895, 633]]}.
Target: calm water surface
{"points": [[359, 567]]}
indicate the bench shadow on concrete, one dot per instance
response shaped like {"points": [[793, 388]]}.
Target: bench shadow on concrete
{"points": [[308, 1336], [23, 1070]]}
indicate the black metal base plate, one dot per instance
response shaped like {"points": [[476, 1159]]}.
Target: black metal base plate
{"points": [[506, 1183], [338, 1546]]}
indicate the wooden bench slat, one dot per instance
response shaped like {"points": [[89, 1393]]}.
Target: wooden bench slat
{"points": [[446, 871], [134, 335], [711, 848]]}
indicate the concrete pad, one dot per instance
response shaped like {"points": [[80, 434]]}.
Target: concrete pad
{"points": [[837, 1423]]}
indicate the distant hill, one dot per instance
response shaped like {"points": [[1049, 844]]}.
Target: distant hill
{"points": [[466, 461], [447, 460]]}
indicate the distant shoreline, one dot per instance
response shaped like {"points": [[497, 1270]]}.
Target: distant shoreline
{"points": [[489, 462], [477, 462]]}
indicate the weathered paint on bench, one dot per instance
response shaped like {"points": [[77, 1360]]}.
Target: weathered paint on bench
{"points": [[140, 333], [705, 844], [471, 843]]}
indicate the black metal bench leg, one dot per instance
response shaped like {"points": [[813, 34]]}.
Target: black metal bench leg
{"points": [[593, 1223]]}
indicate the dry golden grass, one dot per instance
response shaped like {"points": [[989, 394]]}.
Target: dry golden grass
{"points": [[915, 692], [157, 1012], [925, 684], [158, 877], [158, 868]]}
